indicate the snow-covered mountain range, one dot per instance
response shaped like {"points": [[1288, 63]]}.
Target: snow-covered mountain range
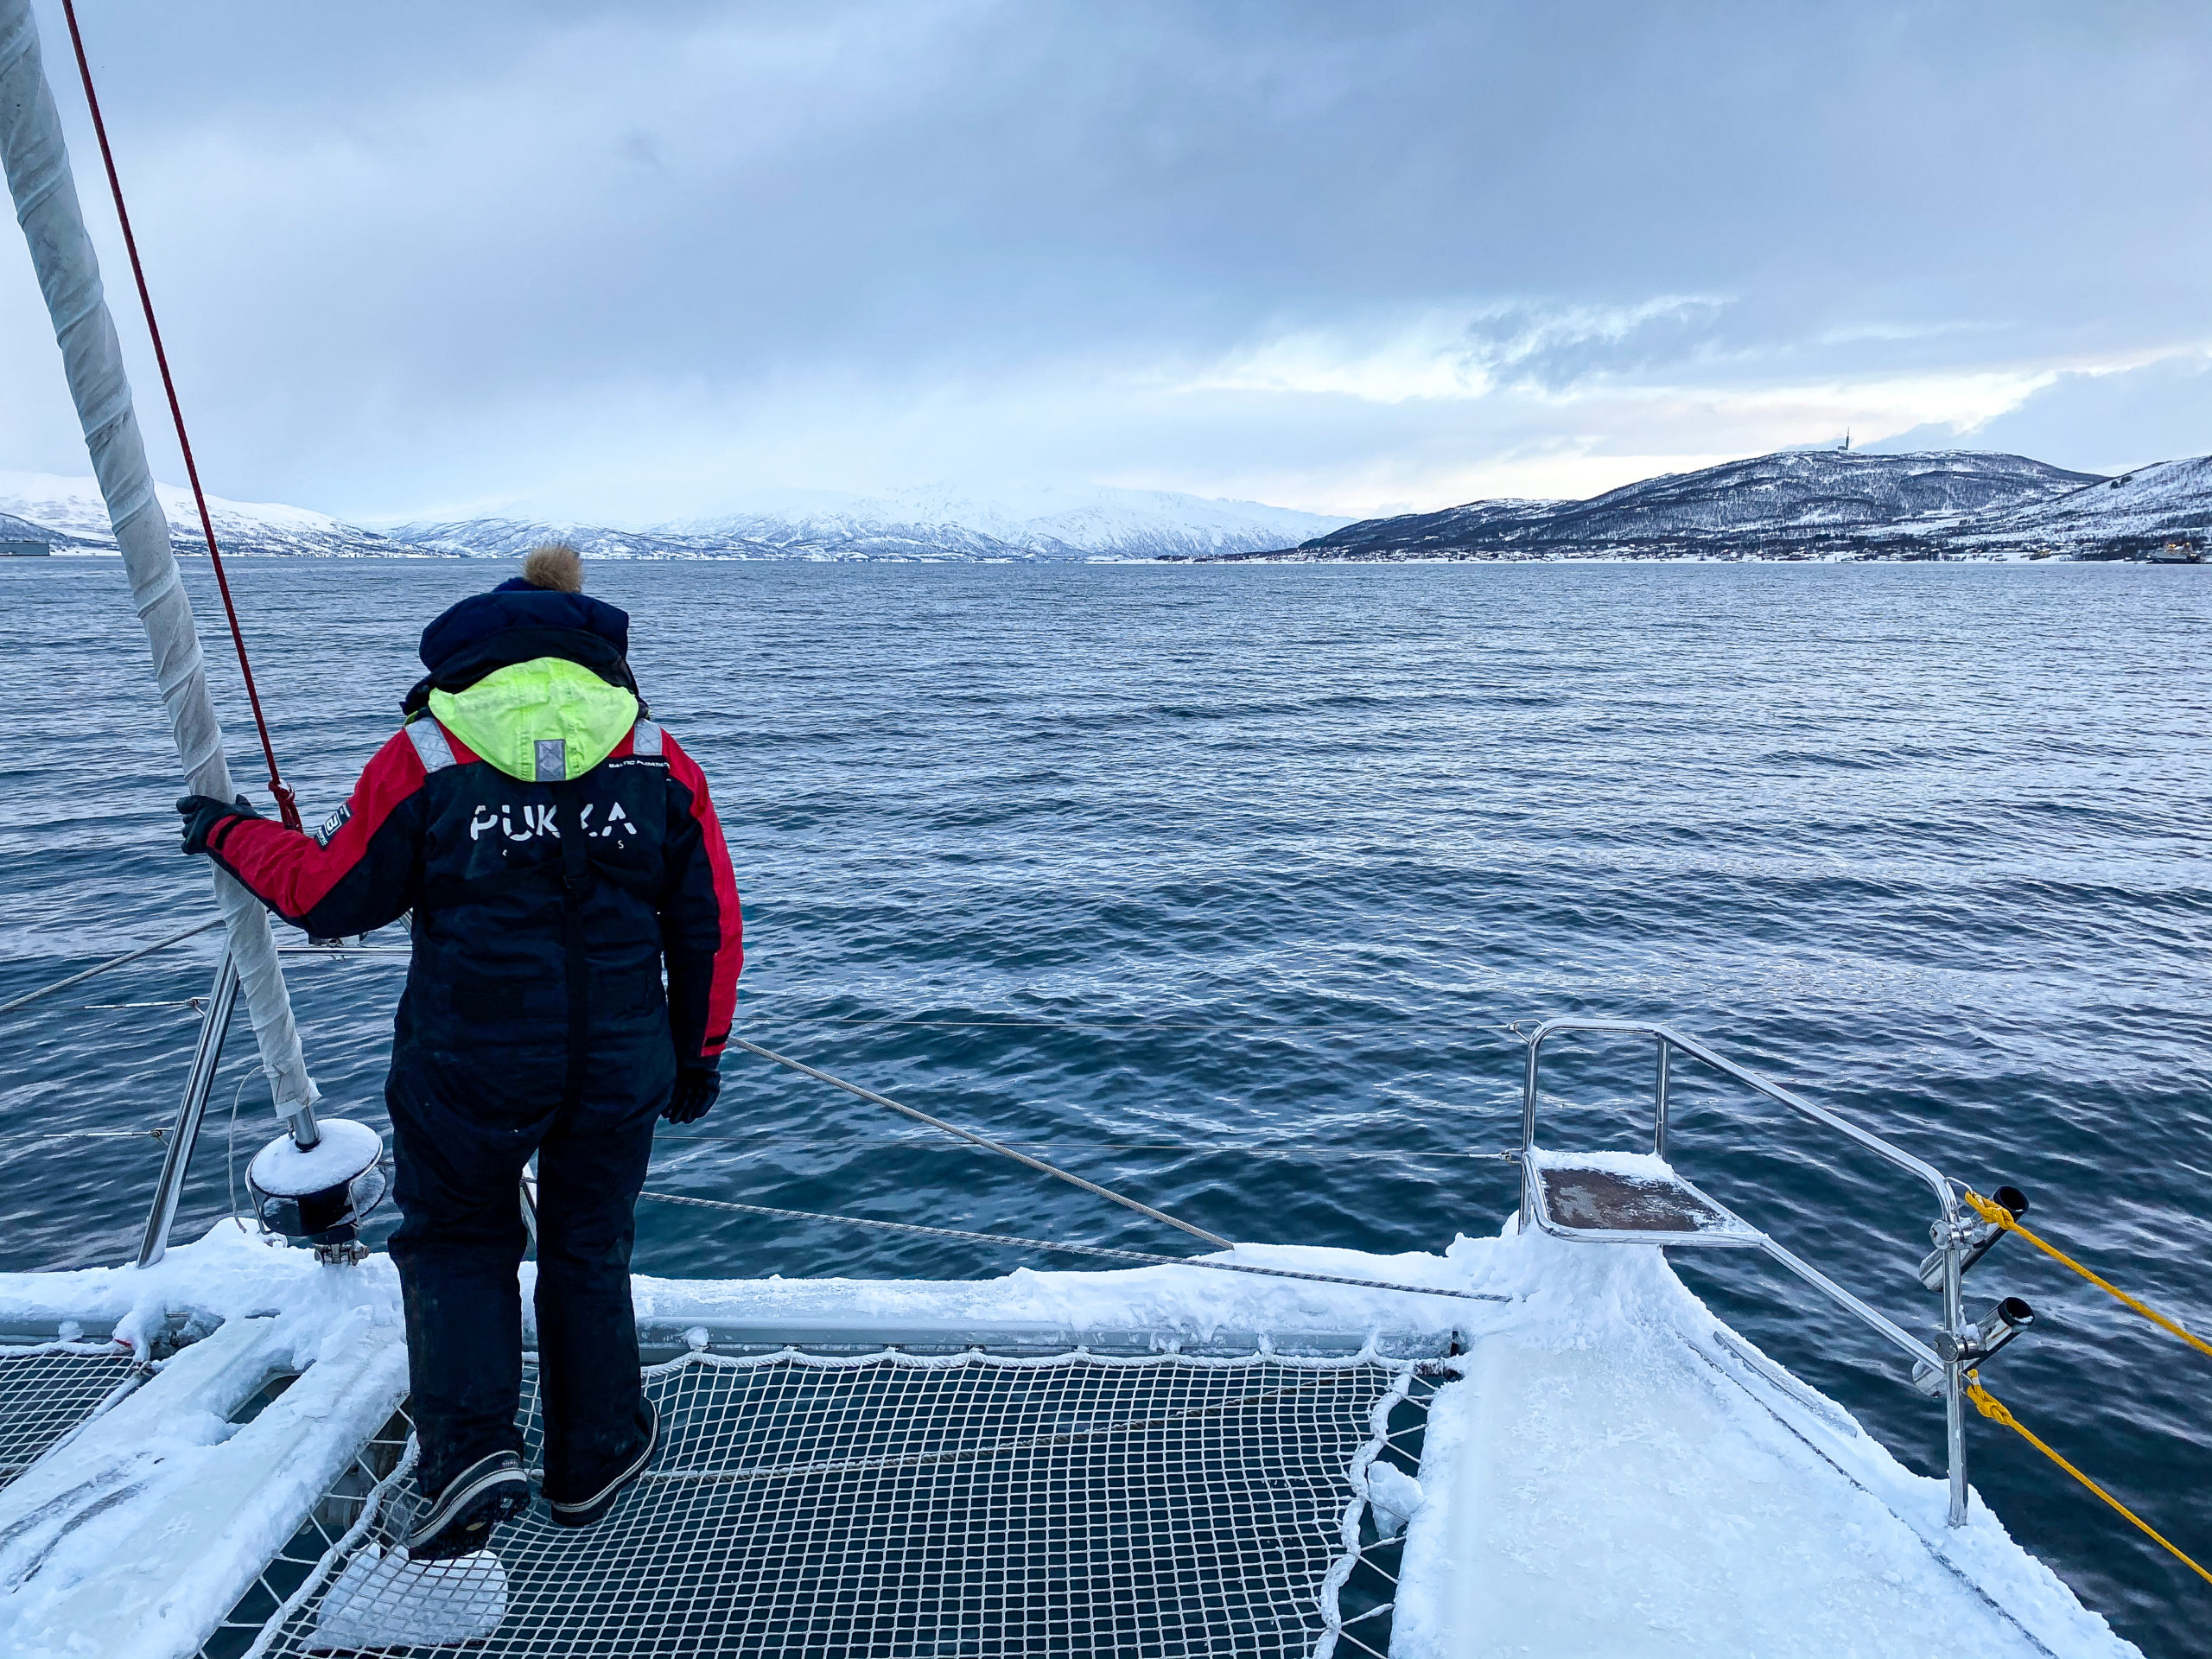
{"points": [[918, 524], [943, 524], [71, 513], [1795, 503], [1798, 504]]}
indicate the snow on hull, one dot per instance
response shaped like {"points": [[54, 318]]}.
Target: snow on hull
{"points": [[388, 1601], [1609, 1480], [1609, 1477], [136, 1536]]}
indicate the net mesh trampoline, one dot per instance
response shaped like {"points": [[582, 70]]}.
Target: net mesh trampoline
{"points": [[890, 1504], [45, 1392]]}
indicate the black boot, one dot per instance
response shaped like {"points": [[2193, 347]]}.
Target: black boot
{"points": [[588, 1509], [458, 1519]]}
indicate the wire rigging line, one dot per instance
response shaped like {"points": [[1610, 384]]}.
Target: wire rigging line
{"points": [[1282, 1028], [287, 807], [998, 1147], [1142, 1256], [774, 1140], [28, 997]]}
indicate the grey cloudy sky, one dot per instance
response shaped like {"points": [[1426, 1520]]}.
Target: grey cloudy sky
{"points": [[631, 262]]}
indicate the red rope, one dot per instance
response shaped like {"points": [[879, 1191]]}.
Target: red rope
{"points": [[285, 803]]}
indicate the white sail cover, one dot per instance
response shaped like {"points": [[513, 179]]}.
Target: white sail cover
{"points": [[37, 164]]}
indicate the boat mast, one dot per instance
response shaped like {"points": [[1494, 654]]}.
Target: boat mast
{"points": [[37, 165]]}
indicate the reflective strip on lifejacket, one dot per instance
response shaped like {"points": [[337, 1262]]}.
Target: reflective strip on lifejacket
{"points": [[429, 740], [645, 738]]}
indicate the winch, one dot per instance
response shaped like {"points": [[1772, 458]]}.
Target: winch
{"points": [[318, 1194]]}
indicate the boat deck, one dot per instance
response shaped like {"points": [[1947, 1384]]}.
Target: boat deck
{"points": [[1083, 1462]]}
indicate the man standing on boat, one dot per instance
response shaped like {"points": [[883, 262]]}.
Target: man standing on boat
{"points": [[558, 850]]}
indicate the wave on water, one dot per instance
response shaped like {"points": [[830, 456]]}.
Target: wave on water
{"points": [[1224, 884]]}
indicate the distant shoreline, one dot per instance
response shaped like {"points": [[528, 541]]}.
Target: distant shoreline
{"points": [[1255, 561]]}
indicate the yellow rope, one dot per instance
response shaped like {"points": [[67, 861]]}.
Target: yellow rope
{"points": [[2003, 1218], [1993, 1408]]}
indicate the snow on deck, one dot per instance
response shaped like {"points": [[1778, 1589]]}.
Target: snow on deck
{"points": [[1614, 1474]]}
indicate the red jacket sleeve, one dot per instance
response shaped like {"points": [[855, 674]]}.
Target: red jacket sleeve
{"points": [[702, 934], [362, 869]]}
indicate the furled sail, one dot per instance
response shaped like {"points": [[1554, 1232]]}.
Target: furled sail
{"points": [[37, 165]]}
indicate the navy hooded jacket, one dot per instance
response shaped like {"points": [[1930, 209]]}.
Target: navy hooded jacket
{"points": [[545, 912]]}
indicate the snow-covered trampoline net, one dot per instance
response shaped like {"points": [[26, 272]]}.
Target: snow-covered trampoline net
{"points": [[45, 1392], [894, 1504]]}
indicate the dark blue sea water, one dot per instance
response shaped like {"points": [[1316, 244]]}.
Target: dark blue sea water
{"points": [[1223, 882]]}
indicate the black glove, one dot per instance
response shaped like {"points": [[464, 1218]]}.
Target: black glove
{"points": [[201, 813], [693, 1098]]}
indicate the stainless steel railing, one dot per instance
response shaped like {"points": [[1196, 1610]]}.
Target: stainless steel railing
{"points": [[1954, 1234], [219, 1006], [177, 1157]]}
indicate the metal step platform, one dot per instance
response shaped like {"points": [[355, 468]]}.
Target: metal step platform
{"points": [[1612, 1197], [1591, 1201]]}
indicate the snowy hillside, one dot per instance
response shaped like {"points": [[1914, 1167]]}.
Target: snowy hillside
{"points": [[1798, 504], [1151, 524], [70, 509], [503, 537], [1796, 500], [921, 524], [1437, 535], [2132, 514]]}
